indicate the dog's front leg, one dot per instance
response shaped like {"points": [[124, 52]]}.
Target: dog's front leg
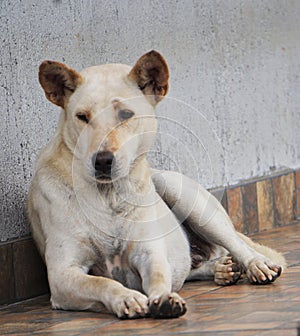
{"points": [[197, 208], [73, 289], [156, 275]]}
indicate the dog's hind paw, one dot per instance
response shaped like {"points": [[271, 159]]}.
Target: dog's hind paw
{"points": [[227, 272], [262, 271], [167, 306]]}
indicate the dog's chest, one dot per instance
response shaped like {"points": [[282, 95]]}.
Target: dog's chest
{"points": [[112, 260], [116, 269]]}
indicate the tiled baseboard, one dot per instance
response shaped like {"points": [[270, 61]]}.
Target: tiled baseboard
{"points": [[253, 206], [264, 203], [22, 272]]}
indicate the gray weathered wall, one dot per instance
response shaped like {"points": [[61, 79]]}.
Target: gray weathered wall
{"points": [[233, 110]]}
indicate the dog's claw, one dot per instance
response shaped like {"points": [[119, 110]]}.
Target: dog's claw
{"points": [[262, 271], [131, 305], [167, 306], [227, 272], [270, 279]]}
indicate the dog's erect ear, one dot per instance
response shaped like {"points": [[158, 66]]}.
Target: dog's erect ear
{"points": [[58, 81], [151, 75]]}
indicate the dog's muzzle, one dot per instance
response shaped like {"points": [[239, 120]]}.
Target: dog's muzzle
{"points": [[103, 162]]}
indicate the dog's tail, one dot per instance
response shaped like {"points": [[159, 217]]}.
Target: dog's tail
{"points": [[276, 257]]}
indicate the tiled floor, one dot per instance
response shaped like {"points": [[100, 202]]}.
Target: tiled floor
{"points": [[241, 309]]}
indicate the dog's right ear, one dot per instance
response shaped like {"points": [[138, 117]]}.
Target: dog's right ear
{"points": [[58, 81]]}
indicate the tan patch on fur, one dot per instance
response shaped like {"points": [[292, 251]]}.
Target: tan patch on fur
{"points": [[113, 143], [157, 278], [61, 163], [268, 252]]}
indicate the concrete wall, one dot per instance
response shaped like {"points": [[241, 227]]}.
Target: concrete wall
{"points": [[234, 104]]}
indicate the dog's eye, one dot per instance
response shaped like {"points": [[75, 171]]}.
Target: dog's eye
{"points": [[83, 117], [125, 114]]}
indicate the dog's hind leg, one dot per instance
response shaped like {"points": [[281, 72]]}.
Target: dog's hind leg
{"points": [[212, 262], [197, 208]]}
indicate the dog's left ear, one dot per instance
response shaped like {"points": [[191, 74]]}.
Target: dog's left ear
{"points": [[151, 74]]}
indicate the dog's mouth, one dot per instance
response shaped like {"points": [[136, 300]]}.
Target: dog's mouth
{"points": [[103, 178]]}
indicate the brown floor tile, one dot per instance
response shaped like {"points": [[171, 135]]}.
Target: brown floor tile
{"points": [[30, 272], [243, 326], [280, 332], [249, 196], [235, 206], [267, 316], [265, 205], [7, 286], [297, 175], [284, 198]]}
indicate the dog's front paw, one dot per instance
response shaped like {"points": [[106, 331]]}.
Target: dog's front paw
{"points": [[262, 271], [227, 272], [167, 306], [130, 304]]}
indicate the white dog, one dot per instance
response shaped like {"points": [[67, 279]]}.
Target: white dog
{"points": [[114, 234]]}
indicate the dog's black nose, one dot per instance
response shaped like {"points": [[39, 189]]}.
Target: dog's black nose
{"points": [[102, 162]]}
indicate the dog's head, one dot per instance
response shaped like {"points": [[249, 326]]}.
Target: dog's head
{"points": [[109, 122]]}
